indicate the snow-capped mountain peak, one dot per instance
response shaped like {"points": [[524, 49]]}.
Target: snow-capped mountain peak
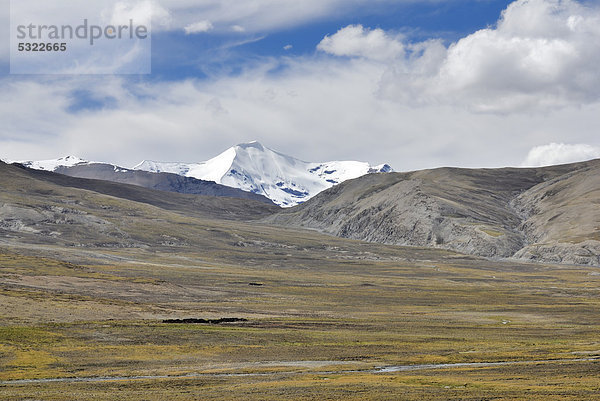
{"points": [[255, 168], [251, 167]]}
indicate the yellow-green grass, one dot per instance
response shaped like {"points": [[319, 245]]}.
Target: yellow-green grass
{"points": [[335, 303], [543, 382]]}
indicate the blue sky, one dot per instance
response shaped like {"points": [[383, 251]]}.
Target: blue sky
{"points": [[198, 55], [415, 84]]}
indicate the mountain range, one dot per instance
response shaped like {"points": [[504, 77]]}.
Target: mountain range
{"points": [[250, 167], [548, 214]]}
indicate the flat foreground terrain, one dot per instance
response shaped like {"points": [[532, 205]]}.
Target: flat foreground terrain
{"points": [[326, 318]]}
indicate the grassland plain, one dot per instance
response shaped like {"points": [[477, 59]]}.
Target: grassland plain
{"points": [[85, 289], [322, 314]]}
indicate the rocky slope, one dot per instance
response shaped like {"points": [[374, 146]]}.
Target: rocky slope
{"points": [[546, 214], [40, 208], [22, 187], [561, 218]]}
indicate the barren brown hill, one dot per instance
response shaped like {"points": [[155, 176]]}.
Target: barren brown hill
{"points": [[45, 207], [545, 214]]}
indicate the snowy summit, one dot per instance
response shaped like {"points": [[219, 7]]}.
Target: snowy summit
{"points": [[252, 167]]}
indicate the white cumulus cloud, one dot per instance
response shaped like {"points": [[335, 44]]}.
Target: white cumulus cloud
{"points": [[560, 153], [542, 54], [358, 41], [198, 27]]}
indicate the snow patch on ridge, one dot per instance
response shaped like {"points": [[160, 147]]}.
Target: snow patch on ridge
{"points": [[54, 164]]}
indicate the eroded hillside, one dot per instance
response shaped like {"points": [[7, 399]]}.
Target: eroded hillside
{"points": [[545, 214]]}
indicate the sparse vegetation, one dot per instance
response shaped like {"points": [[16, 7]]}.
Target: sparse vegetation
{"points": [[491, 232], [327, 313], [362, 307]]}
